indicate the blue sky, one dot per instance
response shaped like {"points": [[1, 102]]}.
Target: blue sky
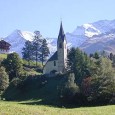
{"points": [[45, 15]]}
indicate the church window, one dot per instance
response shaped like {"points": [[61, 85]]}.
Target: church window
{"points": [[54, 63]]}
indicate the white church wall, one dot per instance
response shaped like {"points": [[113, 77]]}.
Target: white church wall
{"points": [[50, 66]]}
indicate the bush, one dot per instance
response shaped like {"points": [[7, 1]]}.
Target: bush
{"points": [[15, 82], [4, 80], [13, 65], [102, 89], [68, 88]]}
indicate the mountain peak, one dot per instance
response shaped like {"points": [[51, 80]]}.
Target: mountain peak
{"points": [[90, 37]]}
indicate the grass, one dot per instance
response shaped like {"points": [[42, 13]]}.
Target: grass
{"points": [[22, 108], [43, 89], [3, 56]]}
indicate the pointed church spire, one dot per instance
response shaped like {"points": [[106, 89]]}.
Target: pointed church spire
{"points": [[61, 32]]}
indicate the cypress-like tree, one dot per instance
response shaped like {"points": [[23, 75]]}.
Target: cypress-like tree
{"points": [[79, 63], [44, 51], [27, 51], [4, 79], [37, 43], [13, 65]]}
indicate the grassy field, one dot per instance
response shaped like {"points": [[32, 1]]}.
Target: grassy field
{"points": [[2, 56], [25, 108]]}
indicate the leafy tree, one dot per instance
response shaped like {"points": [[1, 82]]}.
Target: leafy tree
{"points": [[68, 88], [4, 79], [13, 65], [44, 51], [27, 51], [101, 87], [37, 43], [105, 67]]}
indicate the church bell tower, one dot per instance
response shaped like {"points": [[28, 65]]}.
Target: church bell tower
{"points": [[62, 50]]}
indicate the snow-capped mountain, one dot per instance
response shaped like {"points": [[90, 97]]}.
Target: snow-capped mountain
{"points": [[89, 37], [17, 40], [92, 37], [103, 42]]}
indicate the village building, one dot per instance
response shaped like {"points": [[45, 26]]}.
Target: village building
{"points": [[4, 47], [58, 61]]}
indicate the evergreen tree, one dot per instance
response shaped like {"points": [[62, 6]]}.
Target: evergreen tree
{"points": [[96, 55], [4, 79], [44, 51], [111, 56], [80, 64], [101, 86], [28, 51], [37, 43], [13, 65]]}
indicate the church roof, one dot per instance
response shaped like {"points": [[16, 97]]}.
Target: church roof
{"points": [[61, 33], [54, 57]]}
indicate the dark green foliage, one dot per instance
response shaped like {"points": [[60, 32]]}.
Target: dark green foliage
{"points": [[111, 56], [37, 50], [96, 55], [27, 52], [13, 65], [15, 82], [37, 43], [68, 88], [44, 51], [80, 64], [12, 92], [102, 89], [95, 77], [4, 79]]}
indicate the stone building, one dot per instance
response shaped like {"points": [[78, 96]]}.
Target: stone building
{"points": [[4, 47], [58, 61]]}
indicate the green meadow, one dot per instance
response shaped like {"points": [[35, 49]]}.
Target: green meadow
{"points": [[26, 108]]}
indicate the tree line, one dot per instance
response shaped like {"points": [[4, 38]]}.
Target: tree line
{"points": [[88, 80], [36, 50]]}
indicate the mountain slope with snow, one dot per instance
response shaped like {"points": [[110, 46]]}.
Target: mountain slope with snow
{"points": [[99, 43], [17, 40], [89, 37]]}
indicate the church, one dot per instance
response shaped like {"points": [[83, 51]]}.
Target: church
{"points": [[58, 61]]}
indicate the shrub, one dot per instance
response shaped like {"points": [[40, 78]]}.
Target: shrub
{"points": [[102, 89], [68, 88], [4, 80]]}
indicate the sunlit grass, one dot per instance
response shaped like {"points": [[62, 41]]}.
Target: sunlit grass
{"points": [[3, 56], [19, 108]]}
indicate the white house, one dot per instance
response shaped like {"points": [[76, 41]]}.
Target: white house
{"points": [[57, 63]]}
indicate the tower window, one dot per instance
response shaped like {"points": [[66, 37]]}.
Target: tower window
{"points": [[54, 63], [60, 45]]}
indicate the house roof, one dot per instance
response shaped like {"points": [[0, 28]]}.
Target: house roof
{"points": [[54, 57], [2, 41]]}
